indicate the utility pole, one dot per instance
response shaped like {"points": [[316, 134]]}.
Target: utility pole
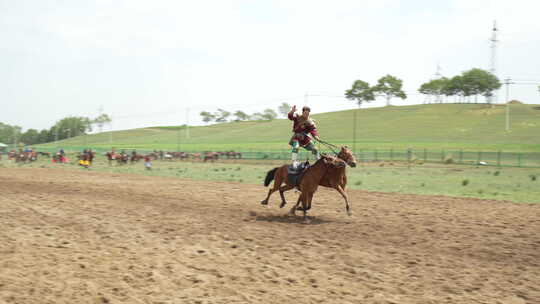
{"points": [[438, 75], [493, 61], [110, 134], [15, 137], [187, 123], [178, 139], [507, 82], [100, 123], [354, 130]]}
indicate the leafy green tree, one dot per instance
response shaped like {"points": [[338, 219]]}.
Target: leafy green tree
{"points": [[256, 116], [30, 137], [9, 134], [207, 116], [360, 92], [45, 136], [269, 114], [479, 82], [101, 120], [240, 116], [435, 87], [222, 115], [454, 87], [284, 109], [390, 87], [72, 126]]}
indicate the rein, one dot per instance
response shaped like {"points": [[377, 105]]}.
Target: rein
{"points": [[329, 145]]}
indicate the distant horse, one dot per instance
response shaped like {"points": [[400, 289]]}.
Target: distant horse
{"points": [[122, 158], [309, 182], [84, 159], [59, 158], [336, 178], [211, 156], [25, 157], [234, 155], [47, 154], [111, 156], [91, 155], [136, 157], [12, 154]]}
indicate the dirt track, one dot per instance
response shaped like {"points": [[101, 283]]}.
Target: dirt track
{"points": [[86, 237]]}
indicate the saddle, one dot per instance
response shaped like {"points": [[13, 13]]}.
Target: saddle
{"points": [[294, 176]]}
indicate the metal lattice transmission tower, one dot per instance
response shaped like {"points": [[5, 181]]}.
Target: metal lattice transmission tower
{"points": [[493, 62], [100, 124], [438, 75]]}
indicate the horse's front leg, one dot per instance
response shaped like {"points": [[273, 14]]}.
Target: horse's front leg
{"points": [[281, 190], [306, 205], [345, 196], [293, 209]]}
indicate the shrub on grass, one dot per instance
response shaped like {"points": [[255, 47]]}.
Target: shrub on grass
{"points": [[533, 177], [465, 182], [496, 173], [448, 159], [358, 183]]}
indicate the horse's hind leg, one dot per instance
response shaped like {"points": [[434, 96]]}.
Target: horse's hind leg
{"points": [[281, 190], [270, 191], [345, 196], [277, 183]]}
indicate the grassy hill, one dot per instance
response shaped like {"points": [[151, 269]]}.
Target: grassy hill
{"points": [[471, 127]]}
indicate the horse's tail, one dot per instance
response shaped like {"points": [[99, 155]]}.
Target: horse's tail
{"points": [[270, 176]]}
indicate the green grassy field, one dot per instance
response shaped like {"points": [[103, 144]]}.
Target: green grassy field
{"points": [[513, 184], [468, 127]]}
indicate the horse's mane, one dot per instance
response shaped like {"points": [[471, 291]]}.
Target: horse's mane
{"points": [[325, 155]]}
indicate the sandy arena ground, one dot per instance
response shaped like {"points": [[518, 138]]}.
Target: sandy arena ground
{"points": [[87, 237]]}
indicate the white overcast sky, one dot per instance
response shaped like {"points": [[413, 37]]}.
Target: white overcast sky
{"points": [[147, 62]]}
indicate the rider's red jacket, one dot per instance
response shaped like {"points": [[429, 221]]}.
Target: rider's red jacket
{"points": [[301, 130]]}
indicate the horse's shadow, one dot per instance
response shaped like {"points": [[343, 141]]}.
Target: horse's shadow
{"points": [[293, 219]]}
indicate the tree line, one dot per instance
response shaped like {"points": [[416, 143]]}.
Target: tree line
{"points": [[387, 86], [474, 82], [225, 116], [65, 128]]}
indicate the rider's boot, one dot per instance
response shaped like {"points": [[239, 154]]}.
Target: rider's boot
{"points": [[295, 161]]}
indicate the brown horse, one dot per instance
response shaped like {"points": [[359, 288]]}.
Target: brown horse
{"points": [[211, 156], [308, 184], [336, 178]]}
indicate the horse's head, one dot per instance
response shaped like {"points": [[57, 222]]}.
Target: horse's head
{"points": [[333, 161], [347, 155]]}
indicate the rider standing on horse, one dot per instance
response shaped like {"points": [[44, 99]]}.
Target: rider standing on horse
{"points": [[304, 129]]}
